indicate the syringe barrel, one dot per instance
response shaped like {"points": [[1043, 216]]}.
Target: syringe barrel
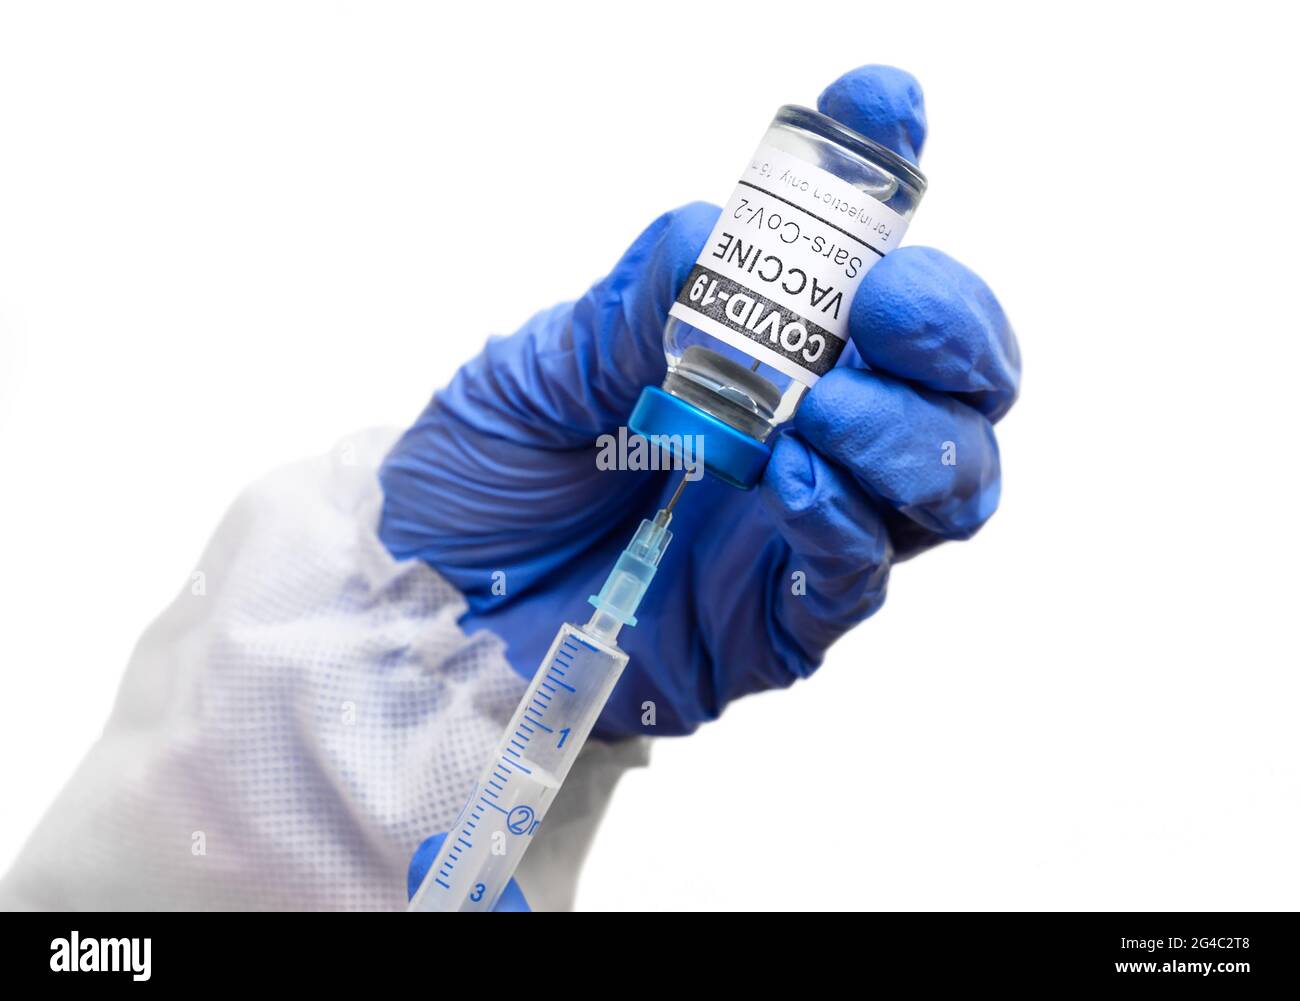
{"points": [[508, 803]]}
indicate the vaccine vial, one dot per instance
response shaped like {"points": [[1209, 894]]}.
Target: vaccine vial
{"points": [[764, 311]]}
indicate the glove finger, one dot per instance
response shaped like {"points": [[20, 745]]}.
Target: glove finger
{"points": [[763, 590], [922, 316], [881, 102], [839, 546], [512, 900], [576, 370], [923, 454], [512, 897]]}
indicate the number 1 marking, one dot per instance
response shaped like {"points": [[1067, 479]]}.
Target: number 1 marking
{"points": [[563, 735]]}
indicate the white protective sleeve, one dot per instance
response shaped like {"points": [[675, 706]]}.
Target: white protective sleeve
{"points": [[305, 713]]}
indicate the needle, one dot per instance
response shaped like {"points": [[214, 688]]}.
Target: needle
{"points": [[665, 514], [677, 493]]}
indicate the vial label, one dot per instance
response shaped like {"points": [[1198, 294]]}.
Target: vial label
{"points": [[777, 276]]}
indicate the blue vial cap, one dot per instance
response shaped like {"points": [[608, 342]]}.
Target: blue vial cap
{"points": [[730, 455]]}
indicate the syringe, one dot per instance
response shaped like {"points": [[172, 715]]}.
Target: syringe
{"points": [[555, 716]]}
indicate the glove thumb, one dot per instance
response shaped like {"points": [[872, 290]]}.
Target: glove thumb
{"points": [[575, 371]]}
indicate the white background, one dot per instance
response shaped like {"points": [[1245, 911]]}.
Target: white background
{"points": [[232, 233]]}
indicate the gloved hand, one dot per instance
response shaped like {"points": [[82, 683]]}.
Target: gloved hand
{"points": [[512, 897], [499, 472]]}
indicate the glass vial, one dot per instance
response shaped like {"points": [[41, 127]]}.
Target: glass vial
{"points": [[764, 313]]}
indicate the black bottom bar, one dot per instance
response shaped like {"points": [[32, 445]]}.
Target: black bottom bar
{"points": [[1231, 952]]}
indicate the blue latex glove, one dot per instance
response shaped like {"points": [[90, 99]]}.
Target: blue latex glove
{"points": [[512, 897], [499, 472]]}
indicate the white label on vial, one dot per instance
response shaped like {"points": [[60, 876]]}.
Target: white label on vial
{"points": [[777, 277]]}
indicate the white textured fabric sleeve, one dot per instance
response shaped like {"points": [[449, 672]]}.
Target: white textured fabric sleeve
{"points": [[304, 714]]}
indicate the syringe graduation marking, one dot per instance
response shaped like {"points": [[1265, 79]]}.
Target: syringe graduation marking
{"points": [[499, 781]]}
